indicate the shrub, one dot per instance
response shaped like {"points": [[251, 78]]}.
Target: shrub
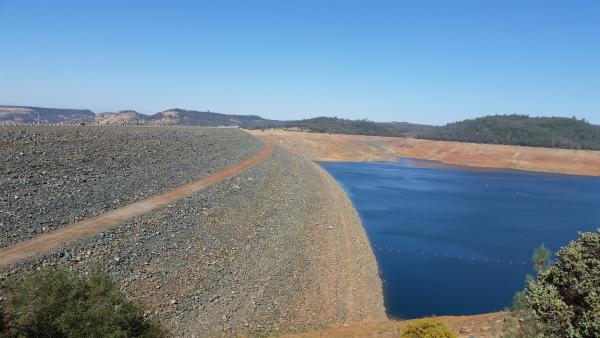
{"points": [[520, 321], [58, 303], [565, 299], [519, 324], [427, 328]]}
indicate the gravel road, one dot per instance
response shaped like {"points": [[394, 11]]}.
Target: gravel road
{"points": [[276, 248]]}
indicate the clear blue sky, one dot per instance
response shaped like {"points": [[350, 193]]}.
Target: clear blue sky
{"points": [[418, 61]]}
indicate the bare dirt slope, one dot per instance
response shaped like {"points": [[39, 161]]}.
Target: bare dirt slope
{"points": [[329, 147]]}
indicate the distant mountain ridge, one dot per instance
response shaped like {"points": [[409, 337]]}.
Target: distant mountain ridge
{"points": [[521, 130], [25, 114], [170, 117]]}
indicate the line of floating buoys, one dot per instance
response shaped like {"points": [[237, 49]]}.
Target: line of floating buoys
{"points": [[461, 258]]}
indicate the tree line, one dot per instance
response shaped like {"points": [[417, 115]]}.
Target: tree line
{"points": [[520, 130]]}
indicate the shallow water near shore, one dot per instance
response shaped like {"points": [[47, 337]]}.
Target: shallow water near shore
{"points": [[453, 240]]}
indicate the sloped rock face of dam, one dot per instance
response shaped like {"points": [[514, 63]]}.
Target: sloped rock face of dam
{"points": [[274, 247]]}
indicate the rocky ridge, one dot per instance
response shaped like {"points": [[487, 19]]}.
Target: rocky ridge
{"points": [[20, 115]]}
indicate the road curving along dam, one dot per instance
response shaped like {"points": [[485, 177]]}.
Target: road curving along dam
{"points": [[276, 247]]}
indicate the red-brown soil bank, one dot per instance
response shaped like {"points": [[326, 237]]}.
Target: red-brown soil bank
{"points": [[329, 147]]}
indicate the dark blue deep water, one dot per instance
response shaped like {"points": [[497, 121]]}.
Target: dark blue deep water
{"points": [[457, 240]]}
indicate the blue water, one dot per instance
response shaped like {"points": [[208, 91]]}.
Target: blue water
{"points": [[458, 240]]}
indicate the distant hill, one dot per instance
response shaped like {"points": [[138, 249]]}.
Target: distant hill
{"points": [[522, 130], [125, 117], [182, 117], [336, 125], [198, 118], [23, 114], [171, 117]]}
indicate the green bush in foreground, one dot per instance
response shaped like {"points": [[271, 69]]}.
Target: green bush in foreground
{"points": [[565, 299], [58, 303], [427, 328]]}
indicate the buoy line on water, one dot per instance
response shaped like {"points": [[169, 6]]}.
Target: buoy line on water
{"points": [[488, 260]]}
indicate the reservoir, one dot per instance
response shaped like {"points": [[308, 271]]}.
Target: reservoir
{"points": [[453, 240]]}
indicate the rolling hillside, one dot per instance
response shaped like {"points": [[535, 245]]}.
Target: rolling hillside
{"points": [[24, 114], [334, 125], [182, 117], [171, 117], [521, 130], [518, 130]]}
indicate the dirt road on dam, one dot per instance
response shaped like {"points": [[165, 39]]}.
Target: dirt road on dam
{"points": [[275, 247], [48, 241]]}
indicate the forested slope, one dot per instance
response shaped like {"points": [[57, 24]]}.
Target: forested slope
{"points": [[522, 130], [336, 125]]}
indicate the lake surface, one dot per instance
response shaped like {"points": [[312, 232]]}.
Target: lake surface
{"points": [[458, 240]]}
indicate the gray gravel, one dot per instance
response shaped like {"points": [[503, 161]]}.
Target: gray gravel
{"points": [[52, 176], [257, 253]]}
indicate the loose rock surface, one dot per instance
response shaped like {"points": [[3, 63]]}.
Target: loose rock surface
{"points": [[53, 176], [277, 248]]}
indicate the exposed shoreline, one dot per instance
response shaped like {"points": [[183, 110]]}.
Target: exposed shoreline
{"points": [[347, 148], [356, 282], [357, 148]]}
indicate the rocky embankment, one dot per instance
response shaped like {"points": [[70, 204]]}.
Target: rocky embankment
{"points": [[275, 248], [53, 176]]}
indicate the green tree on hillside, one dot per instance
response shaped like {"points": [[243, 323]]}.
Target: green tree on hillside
{"points": [[540, 259]]}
